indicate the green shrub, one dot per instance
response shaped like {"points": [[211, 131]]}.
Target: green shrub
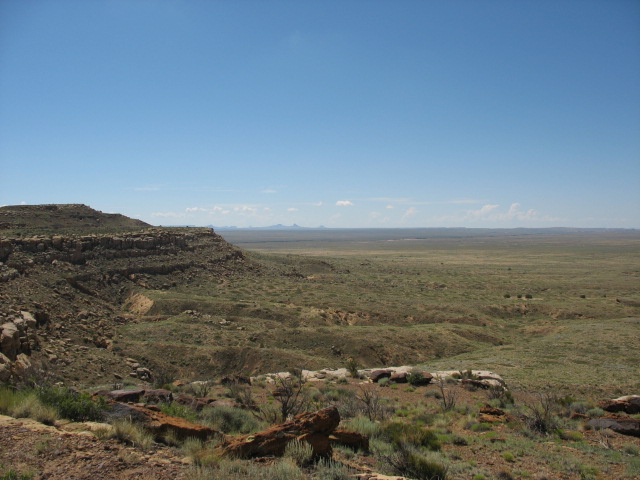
{"points": [[174, 409], [300, 452], [200, 454], [352, 367], [416, 378], [633, 468], [230, 420], [127, 432], [539, 416], [8, 398], [570, 435], [402, 434], [631, 449], [327, 469], [509, 457], [285, 469], [364, 426], [73, 405], [29, 405], [13, 475], [412, 464], [480, 427], [595, 412]]}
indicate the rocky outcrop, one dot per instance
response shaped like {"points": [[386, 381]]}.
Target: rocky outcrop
{"points": [[624, 426], [490, 414], [313, 428], [18, 334], [482, 378], [158, 395], [160, 424], [19, 253], [132, 395], [628, 404], [5, 368], [378, 375], [17, 340]]}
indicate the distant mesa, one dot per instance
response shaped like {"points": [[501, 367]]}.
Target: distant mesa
{"points": [[279, 226]]}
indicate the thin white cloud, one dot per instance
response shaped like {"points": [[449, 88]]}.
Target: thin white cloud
{"points": [[483, 212], [292, 209], [168, 214], [389, 199], [409, 201], [317, 204], [491, 213], [245, 209], [409, 212], [269, 190], [389, 206], [195, 209], [344, 203]]}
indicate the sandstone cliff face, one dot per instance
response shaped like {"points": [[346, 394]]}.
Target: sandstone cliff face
{"points": [[17, 340], [20, 253], [170, 247], [74, 288], [17, 334]]}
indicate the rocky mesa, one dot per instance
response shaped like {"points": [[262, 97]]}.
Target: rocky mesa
{"points": [[63, 288]]}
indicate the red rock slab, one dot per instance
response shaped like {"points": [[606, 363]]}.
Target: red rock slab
{"points": [[313, 427], [160, 424]]}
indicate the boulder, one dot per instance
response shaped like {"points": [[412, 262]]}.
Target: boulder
{"points": [[9, 340], [22, 365], [624, 426], [314, 428], [354, 440], [158, 395], [143, 373], [629, 404], [123, 395], [377, 375], [5, 368], [29, 319], [399, 377], [193, 402]]}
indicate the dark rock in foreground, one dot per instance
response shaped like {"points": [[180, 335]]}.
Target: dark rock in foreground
{"points": [[313, 428]]}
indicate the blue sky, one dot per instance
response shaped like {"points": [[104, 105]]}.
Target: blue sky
{"points": [[337, 113]]}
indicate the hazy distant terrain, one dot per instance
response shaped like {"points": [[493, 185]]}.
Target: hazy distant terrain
{"points": [[100, 301]]}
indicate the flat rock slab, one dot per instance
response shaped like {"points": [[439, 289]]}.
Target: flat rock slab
{"points": [[624, 426], [314, 428]]}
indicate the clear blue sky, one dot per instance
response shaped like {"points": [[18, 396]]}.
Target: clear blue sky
{"points": [[337, 113]]}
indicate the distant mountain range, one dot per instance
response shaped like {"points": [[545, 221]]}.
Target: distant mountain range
{"points": [[279, 226]]}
